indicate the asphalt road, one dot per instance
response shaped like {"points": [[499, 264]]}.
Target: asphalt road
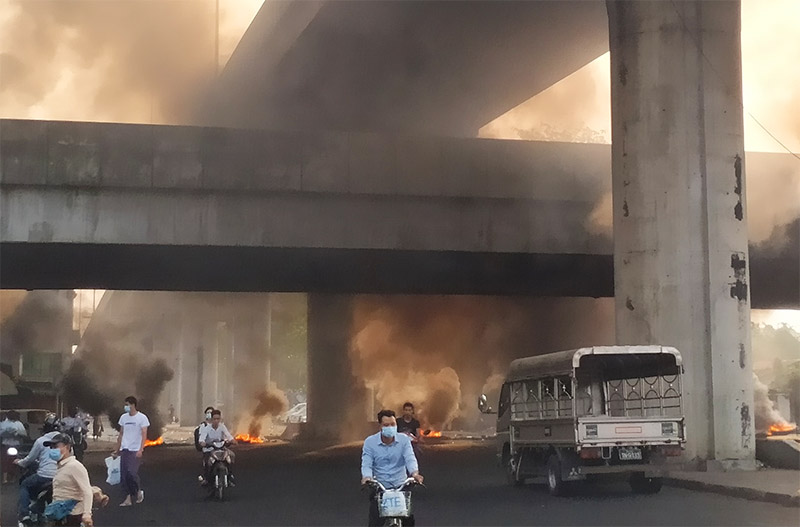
{"points": [[282, 484]]}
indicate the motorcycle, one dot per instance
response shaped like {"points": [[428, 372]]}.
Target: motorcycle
{"points": [[394, 505], [220, 472], [39, 501]]}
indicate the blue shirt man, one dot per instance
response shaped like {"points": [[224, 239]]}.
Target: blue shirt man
{"points": [[388, 457], [32, 485], [388, 463]]}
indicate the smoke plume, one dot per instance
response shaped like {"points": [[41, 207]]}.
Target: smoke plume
{"points": [[41, 322], [766, 414], [123, 61], [116, 359], [441, 352], [269, 403]]}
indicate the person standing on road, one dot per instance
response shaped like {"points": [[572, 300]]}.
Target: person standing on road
{"points": [[133, 426], [97, 427], [71, 482], [46, 467], [387, 458]]}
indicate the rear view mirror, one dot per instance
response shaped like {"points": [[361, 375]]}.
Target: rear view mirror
{"points": [[483, 405]]}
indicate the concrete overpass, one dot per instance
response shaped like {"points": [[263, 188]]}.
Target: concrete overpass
{"points": [[90, 205], [445, 68]]}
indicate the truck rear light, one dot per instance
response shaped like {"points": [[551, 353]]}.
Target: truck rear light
{"points": [[591, 430], [591, 453], [671, 450]]}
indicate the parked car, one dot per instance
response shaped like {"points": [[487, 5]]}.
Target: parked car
{"points": [[297, 414]]}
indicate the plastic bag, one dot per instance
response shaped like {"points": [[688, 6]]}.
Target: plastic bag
{"points": [[112, 464]]}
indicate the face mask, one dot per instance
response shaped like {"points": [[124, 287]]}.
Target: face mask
{"points": [[208, 415], [55, 454], [127, 408], [389, 431]]}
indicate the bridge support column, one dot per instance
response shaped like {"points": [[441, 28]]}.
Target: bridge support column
{"points": [[335, 403], [680, 229]]}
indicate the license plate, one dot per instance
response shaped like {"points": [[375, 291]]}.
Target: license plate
{"points": [[393, 503], [630, 454]]}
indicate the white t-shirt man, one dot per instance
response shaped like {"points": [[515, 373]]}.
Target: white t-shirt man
{"points": [[209, 435], [131, 429]]}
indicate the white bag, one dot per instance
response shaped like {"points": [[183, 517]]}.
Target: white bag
{"points": [[113, 470]]}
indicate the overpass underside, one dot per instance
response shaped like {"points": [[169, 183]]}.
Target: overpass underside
{"points": [[320, 270]]}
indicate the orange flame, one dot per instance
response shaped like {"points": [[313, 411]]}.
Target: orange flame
{"points": [[247, 438], [432, 433], [781, 428], [159, 441]]}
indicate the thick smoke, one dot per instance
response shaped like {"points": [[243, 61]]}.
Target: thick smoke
{"points": [[269, 403], [115, 359], [441, 352], [127, 60], [766, 414], [41, 322], [773, 201]]}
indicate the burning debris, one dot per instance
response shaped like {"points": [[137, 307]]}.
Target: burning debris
{"points": [[768, 420], [155, 442], [270, 402], [247, 438]]}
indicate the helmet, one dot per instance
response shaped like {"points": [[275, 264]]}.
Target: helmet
{"points": [[50, 423]]}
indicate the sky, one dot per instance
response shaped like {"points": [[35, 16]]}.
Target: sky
{"points": [[578, 108]]}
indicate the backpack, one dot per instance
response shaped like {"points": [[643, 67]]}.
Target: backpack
{"points": [[197, 438]]}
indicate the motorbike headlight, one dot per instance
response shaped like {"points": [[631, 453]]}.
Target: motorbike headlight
{"points": [[12, 451]]}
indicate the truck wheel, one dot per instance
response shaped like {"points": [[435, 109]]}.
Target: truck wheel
{"points": [[555, 484], [644, 485], [512, 471]]}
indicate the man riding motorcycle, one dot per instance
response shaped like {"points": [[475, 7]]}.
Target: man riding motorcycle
{"points": [[388, 458], [214, 433], [33, 484]]}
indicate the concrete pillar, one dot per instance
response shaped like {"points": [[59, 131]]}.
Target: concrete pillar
{"points": [[680, 230], [268, 338], [190, 373], [334, 397], [179, 367]]}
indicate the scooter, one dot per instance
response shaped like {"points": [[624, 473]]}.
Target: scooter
{"points": [[220, 473], [394, 505]]}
